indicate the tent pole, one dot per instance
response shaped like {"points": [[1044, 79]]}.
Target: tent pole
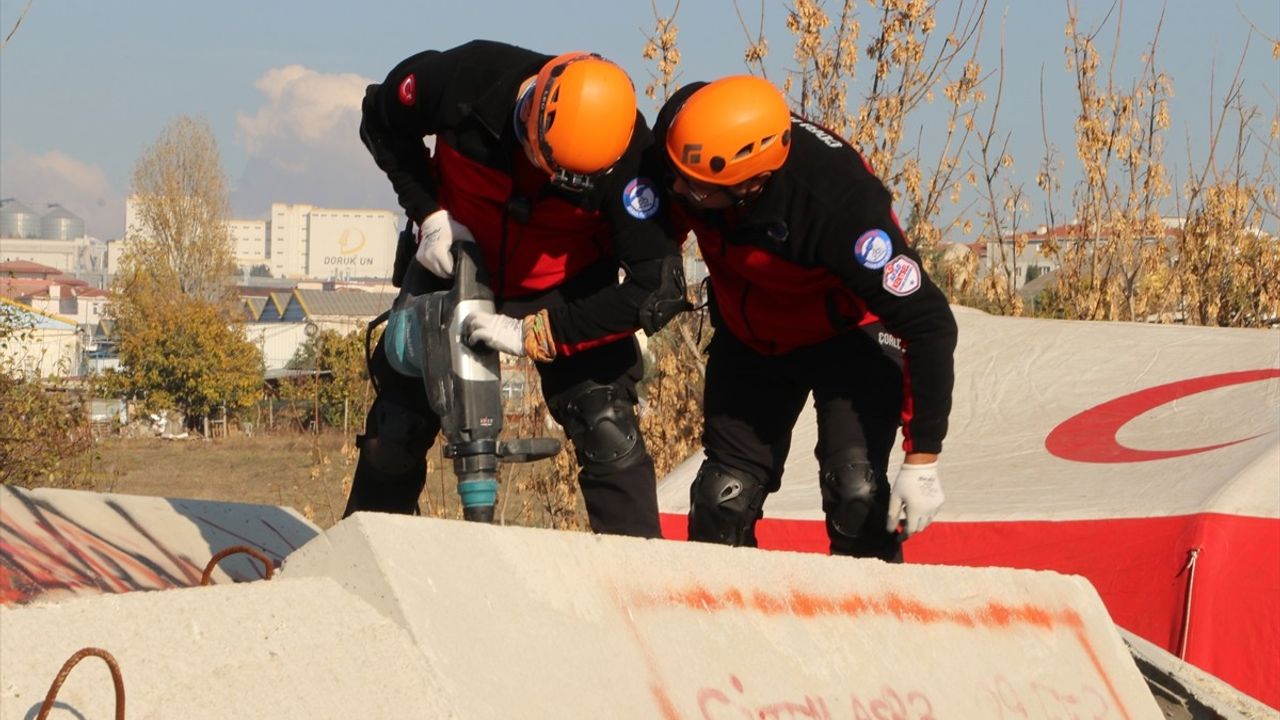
{"points": [[1186, 610]]}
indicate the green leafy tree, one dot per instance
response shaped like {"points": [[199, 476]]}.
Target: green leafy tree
{"points": [[177, 352], [45, 438], [340, 379]]}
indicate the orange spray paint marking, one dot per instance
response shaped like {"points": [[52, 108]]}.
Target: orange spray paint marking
{"points": [[1097, 666], [656, 687], [805, 604], [665, 706], [808, 605], [802, 604], [769, 603]]}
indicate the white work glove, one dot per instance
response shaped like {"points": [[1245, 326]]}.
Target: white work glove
{"points": [[918, 492], [529, 336], [435, 242], [500, 332]]}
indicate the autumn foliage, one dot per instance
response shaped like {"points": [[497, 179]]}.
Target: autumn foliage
{"points": [[45, 437], [172, 299]]}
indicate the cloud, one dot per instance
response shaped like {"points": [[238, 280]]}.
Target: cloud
{"points": [[55, 177], [302, 105], [302, 145]]}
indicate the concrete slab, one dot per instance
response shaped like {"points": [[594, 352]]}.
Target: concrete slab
{"points": [[1185, 692], [60, 543], [532, 623], [288, 650]]}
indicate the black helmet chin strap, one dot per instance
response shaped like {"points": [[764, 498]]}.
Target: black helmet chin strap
{"points": [[572, 181]]}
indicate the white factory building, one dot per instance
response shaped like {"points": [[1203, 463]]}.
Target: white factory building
{"points": [[299, 242]]}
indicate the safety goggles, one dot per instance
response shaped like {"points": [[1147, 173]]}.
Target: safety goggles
{"points": [[703, 192]]}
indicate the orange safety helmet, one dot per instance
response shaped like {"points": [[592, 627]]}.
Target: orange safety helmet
{"points": [[730, 130], [581, 116]]}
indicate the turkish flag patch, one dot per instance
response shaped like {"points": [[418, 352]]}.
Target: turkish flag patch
{"points": [[408, 91]]}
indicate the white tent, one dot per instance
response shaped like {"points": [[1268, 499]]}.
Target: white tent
{"points": [[1143, 457]]}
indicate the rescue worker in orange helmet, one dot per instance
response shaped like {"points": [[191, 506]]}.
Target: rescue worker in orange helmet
{"points": [[538, 160], [814, 290]]}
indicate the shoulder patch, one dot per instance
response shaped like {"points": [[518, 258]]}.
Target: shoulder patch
{"points": [[873, 249], [408, 91], [901, 276], [640, 199]]}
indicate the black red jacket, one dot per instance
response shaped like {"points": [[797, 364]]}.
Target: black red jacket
{"points": [[535, 237], [818, 253]]}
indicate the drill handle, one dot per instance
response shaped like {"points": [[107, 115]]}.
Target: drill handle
{"points": [[470, 279], [528, 449]]}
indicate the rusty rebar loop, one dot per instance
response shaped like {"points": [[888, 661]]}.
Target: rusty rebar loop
{"points": [[234, 549], [116, 678]]}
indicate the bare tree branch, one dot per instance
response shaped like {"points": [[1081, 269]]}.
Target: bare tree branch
{"points": [[16, 23]]}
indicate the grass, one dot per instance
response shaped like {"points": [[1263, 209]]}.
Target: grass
{"points": [[311, 474], [307, 473]]}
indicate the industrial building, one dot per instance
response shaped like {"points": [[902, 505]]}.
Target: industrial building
{"points": [[299, 241], [53, 237], [296, 242]]}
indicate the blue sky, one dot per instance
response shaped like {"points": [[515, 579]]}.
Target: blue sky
{"points": [[86, 85]]}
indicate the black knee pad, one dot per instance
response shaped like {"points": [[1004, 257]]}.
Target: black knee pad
{"points": [[392, 467], [604, 429], [724, 505], [850, 499], [395, 438]]}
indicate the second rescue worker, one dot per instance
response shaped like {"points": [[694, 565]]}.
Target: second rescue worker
{"points": [[538, 160], [807, 262]]}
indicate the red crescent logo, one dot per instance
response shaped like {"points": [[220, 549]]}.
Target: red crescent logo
{"points": [[1091, 435]]}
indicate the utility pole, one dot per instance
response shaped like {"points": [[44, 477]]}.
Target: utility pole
{"points": [[311, 330]]}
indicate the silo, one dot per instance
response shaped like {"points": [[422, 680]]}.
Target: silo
{"points": [[18, 220], [61, 224]]}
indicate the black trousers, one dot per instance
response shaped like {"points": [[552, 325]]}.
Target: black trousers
{"points": [[400, 429], [752, 402]]}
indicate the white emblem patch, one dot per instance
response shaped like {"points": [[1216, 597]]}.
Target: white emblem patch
{"points": [[901, 276], [640, 199]]}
